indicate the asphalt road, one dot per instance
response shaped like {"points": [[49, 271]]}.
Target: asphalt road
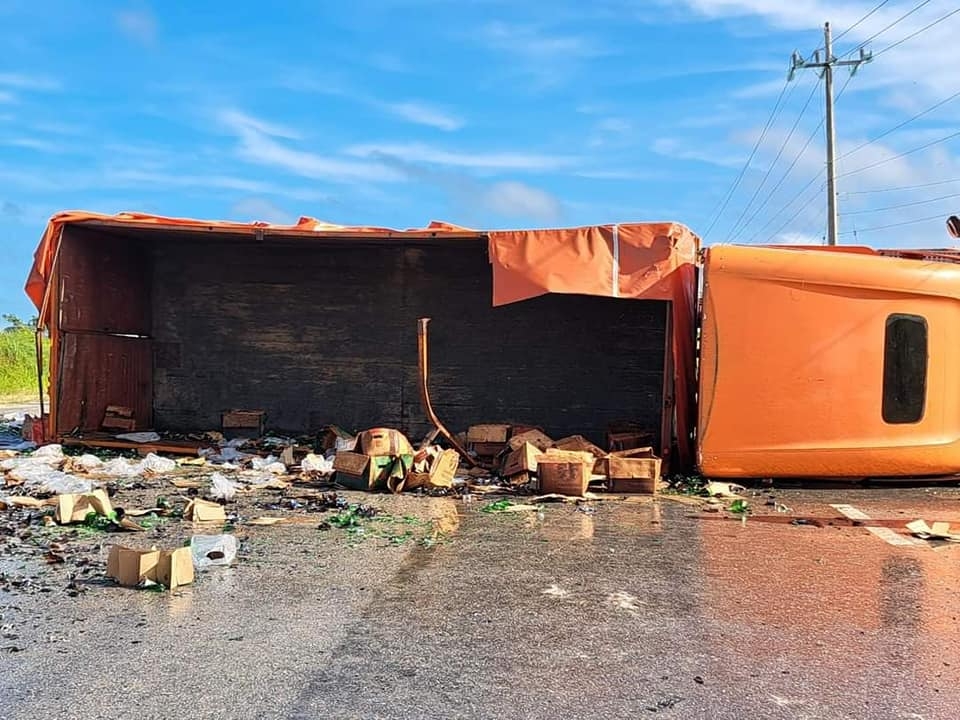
{"points": [[636, 610]]}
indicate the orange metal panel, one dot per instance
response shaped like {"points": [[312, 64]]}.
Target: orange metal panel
{"points": [[791, 371]]}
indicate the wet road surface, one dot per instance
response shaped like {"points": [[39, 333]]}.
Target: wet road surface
{"points": [[636, 610]]}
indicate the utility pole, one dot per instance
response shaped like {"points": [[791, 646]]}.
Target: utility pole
{"points": [[826, 65]]}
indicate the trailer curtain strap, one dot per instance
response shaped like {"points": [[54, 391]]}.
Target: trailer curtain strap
{"points": [[615, 280]]}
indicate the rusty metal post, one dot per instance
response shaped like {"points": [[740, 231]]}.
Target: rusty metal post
{"points": [[423, 365]]}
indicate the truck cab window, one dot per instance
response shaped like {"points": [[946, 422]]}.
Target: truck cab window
{"points": [[904, 369]]}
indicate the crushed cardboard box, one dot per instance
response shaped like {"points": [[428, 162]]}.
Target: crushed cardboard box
{"points": [[358, 471], [132, 567], [522, 459], [74, 507], [381, 442], [933, 531], [535, 437], [441, 468], [198, 510], [488, 433]]}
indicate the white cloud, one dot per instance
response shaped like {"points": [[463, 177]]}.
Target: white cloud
{"points": [[680, 150], [423, 153], [798, 238], [139, 25], [927, 62], [238, 120], [413, 111], [423, 114], [30, 143], [518, 200], [22, 81], [257, 145], [610, 132], [534, 41], [539, 58]]}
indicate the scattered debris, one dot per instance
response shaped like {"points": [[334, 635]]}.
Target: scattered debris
{"points": [[316, 464], [222, 488], [204, 511], [213, 550], [933, 531], [739, 506], [724, 489], [555, 591], [140, 437], [507, 506], [624, 601]]}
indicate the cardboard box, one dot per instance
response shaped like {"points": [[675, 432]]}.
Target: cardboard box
{"points": [[336, 438], [383, 442], [535, 437], [204, 511], [440, 475], [488, 433], [363, 472], [639, 452], [251, 421], [627, 440], [175, 568], [563, 475], [488, 449], [633, 474], [131, 566], [580, 444], [74, 507], [522, 460]]}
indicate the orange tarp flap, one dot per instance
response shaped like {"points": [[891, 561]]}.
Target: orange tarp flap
{"points": [[643, 261]]}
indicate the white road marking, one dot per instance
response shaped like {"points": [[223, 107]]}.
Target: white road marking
{"points": [[884, 533]]}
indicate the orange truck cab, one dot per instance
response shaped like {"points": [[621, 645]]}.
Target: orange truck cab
{"points": [[829, 362]]}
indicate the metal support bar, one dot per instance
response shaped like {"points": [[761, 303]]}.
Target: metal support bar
{"points": [[423, 366]]}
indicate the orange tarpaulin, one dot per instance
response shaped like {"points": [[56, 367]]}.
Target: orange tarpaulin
{"points": [[641, 261]]}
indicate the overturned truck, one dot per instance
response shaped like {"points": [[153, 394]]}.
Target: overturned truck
{"points": [[813, 362]]}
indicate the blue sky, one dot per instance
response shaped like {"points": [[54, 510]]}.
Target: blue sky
{"points": [[480, 112]]}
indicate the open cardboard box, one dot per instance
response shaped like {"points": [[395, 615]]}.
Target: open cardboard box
{"points": [[440, 475], [130, 567], [371, 473], [74, 507]]}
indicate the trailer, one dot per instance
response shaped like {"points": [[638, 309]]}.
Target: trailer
{"points": [[794, 361]]}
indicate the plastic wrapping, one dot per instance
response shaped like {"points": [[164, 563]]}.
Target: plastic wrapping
{"points": [[212, 550], [155, 465], [222, 487], [317, 464]]}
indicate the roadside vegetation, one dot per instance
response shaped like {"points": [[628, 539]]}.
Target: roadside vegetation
{"points": [[18, 365]]}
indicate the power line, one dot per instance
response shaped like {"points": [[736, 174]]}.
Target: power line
{"points": [[903, 188], [773, 217], [903, 154], [903, 205], [858, 22], [899, 224], [903, 124], [800, 209], [743, 170], [914, 34], [881, 32], [735, 232], [789, 169]]}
